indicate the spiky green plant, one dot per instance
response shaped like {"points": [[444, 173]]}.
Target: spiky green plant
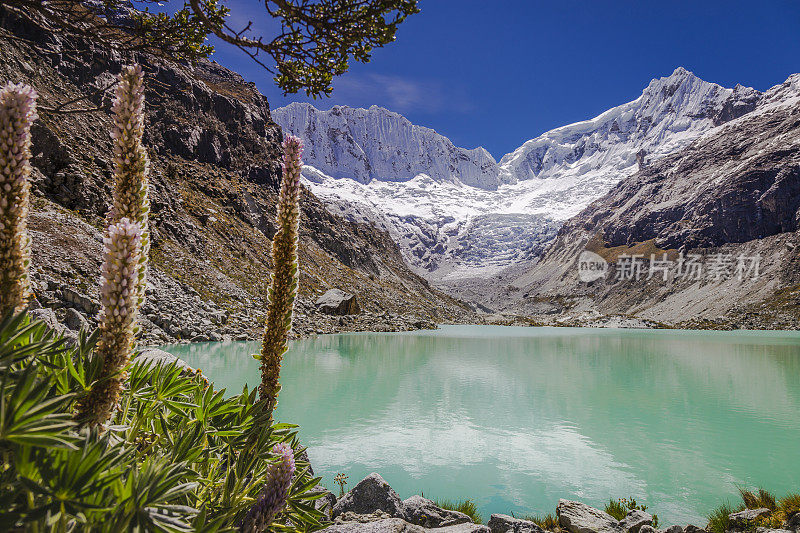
{"points": [[17, 112], [119, 306], [131, 165], [283, 286]]}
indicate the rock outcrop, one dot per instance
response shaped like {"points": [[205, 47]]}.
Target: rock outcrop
{"points": [[733, 193], [370, 494], [501, 523], [215, 169], [577, 517], [423, 512]]}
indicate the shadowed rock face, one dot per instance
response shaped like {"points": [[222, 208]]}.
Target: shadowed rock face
{"points": [[739, 184], [215, 168]]}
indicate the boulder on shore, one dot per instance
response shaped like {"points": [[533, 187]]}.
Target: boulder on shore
{"points": [[423, 512], [338, 302], [635, 519], [577, 517], [371, 494], [743, 518], [502, 523]]}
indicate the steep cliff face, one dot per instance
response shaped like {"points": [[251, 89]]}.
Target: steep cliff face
{"points": [[215, 169], [734, 191], [377, 144]]}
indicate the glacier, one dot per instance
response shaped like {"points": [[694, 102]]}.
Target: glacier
{"points": [[458, 213]]}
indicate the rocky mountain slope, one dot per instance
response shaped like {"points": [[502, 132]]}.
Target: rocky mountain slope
{"points": [[732, 198], [457, 213], [215, 171]]}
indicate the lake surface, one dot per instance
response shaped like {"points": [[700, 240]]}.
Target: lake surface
{"points": [[516, 418]]}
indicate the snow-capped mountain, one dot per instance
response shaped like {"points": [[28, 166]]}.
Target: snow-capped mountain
{"points": [[456, 212], [377, 144]]}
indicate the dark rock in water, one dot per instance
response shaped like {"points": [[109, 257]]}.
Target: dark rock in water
{"points": [[338, 302], [502, 523], [577, 517], [371, 494], [742, 518], [423, 512], [634, 520]]}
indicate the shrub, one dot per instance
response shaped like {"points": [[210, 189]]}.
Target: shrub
{"points": [[620, 508], [176, 456], [467, 507]]}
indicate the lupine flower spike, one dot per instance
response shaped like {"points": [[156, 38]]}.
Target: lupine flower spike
{"points": [[17, 112], [273, 496], [119, 306], [283, 286], [131, 165]]}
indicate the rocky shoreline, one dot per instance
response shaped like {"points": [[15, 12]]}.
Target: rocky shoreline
{"points": [[372, 506]]}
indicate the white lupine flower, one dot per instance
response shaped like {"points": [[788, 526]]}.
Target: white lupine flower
{"points": [[17, 112], [131, 165], [119, 307]]}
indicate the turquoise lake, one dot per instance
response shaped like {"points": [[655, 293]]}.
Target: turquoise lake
{"points": [[516, 418]]}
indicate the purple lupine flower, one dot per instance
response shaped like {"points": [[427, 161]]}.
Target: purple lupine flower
{"points": [[273, 496], [283, 286], [17, 112], [119, 306]]}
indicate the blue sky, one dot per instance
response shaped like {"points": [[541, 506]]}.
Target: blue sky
{"points": [[496, 73]]}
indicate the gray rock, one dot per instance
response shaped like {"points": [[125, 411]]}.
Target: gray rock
{"points": [[693, 529], [74, 320], [338, 302], [371, 494], [794, 523], [742, 518], [502, 523], [578, 517], [670, 529], [634, 520], [48, 316], [650, 529], [398, 525], [156, 356], [423, 512], [771, 530], [386, 525]]}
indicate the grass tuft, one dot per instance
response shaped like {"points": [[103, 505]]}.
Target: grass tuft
{"points": [[467, 507], [790, 504], [718, 521], [547, 522], [762, 498]]}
